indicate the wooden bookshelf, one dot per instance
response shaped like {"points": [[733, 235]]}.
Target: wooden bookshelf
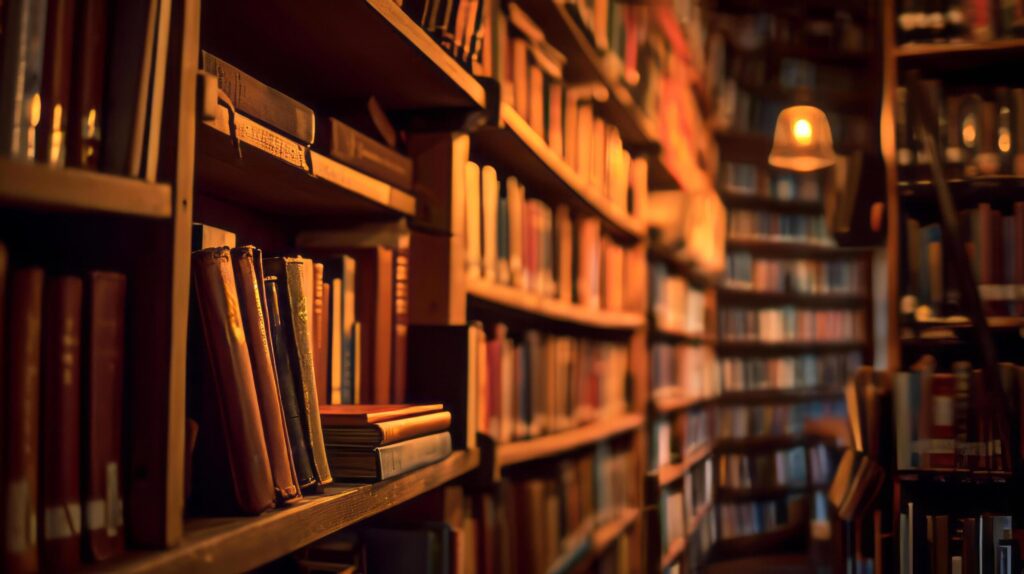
{"points": [[672, 473], [781, 395], [756, 493], [515, 145], [605, 534], [242, 543], [940, 54], [770, 248], [750, 297], [547, 309], [246, 175], [673, 554], [670, 403], [330, 51], [761, 443], [918, 197], [662, 332], [547, 446], [42, 188], [786, 348]]}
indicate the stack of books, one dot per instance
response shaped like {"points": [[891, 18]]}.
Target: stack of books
{"points": [[377, 442]]}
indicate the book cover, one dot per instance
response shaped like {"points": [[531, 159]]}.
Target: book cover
{"points": [[389, 461], [363, 415], [355, 149]]}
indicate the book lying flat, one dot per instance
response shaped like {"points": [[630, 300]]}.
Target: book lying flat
{"points": [[355, 415], [388, 461], [387, 432]]}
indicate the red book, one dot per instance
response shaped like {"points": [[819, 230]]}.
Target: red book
{"points": [[374, 311], [21, 484], [60, 527], [103, 393], [943, 452], [56, 89]]}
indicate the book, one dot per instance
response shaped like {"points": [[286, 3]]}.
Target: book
{"points": [[383, 433], [342, 274], [317, 324], [351, 147], [295, 317], [103, 400], [21, 480], [389, 461], [262, 102], [251, 299], [23, 52], [443, 369], [87, 114], [232, 378], [362, 415], [60, 490], [51, 131]]}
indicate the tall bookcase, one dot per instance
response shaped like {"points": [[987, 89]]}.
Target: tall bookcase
{"points": [[322, 53]]}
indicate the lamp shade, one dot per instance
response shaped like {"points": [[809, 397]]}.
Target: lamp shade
{"points": [[803, 140]]}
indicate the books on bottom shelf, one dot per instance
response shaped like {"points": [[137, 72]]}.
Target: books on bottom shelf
{"points": [[984, 543], [377, 442]]}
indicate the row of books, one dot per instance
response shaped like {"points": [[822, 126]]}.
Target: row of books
{"points": [[348, 144], [946, 421], [676, 436], [956, 20], [458, 26], [978, 131], [781, 227], [984, 543], [995, 251], [523, 242], [741, 519], [794, 467], [805, 276], [698, 545], [751, 179], [64, 338], [790, 323], [684, 369], [85, 89], [805, 371], [680, 507], [535, 383], [552, 513], [692, 226], [771, 420], [676, 305]]}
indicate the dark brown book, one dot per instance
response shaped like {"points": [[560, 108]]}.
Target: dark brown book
{"points": [[60, 500], [399, 353], [234, 388], [103, 392], [262, 102], [355, 149], [319, 345], [56, 89], [296, 318], [375, 295], [442, 369], [250, 286], [386, 432], [389, 461], [87, 114], [323, 365], [21, 552]]}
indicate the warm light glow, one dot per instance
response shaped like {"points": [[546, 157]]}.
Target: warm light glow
{"points": [[969, 132], [802, 131], [1004, 140]]}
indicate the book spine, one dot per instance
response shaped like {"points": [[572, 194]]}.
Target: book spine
{"points": [[104, 396], [409, 455], [362, 152], [21, 484], [216, 295], [316, 328], [61, 507], [56, 86], [399, 353], [24, 28], [87, 113]]}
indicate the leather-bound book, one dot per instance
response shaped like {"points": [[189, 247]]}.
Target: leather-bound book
{"points": [[355, 149], [291, 400], [56, 89], [319, 345], [296, 316], [232, 379], [103, 393], [86, 113], [21, 484], [60, 532], [250, 288]]}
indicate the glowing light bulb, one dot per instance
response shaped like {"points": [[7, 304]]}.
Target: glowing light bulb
{"points": [[802, 131]]}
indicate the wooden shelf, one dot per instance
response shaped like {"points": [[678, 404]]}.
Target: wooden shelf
{"points": [[213, 545], [764, 492], [547, 446], [955, 477], [699, 517], [663, 404], [249, 176], [786, 348], [514, 145], [583, 64], [960, 54], [761, 442], [606, 534], [745, 201], [672, 473], [679, 334], [678, 547], [519, 301], [780, 395], [772, 248], [329, 52], [36, 186], [1001, 191], [787, 536], [746, 297]]}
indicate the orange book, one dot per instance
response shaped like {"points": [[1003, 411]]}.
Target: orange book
{"points": [[359, 415]]}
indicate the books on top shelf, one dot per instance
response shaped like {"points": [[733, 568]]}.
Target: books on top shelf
{"points": [[460, 28], [806, 371], [684, 370], [85, 90], [790, 323], [803, 276], [745, 224], [512, 239], [676, 305], [533, 383], [781, 421], [64, 337], [377, 442], [795, 468], [273, 122]]}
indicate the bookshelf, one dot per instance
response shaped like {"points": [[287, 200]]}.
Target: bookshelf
{"points": [[522, 451]]}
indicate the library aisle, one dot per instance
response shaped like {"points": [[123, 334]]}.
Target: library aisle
{"points": [[511, 286]]}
